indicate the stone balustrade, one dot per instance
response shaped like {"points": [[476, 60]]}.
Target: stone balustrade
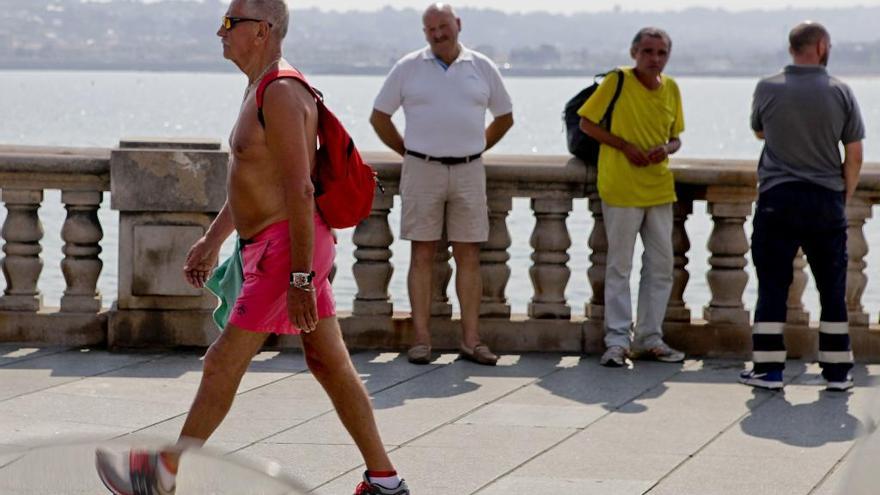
{"points": [[82, 176], [551, 183]]}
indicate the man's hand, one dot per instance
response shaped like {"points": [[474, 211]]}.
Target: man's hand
{"points": [[302, 309], [657, 154], [635, 155], [200, 260]]}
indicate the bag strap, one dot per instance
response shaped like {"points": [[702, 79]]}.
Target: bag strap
{"points": [[610, 110], [282, 74]]}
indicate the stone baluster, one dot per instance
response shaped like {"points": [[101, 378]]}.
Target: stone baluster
{"points": [[727, 278], [598, 243], [373, 268], [493, 260], [22, 264], [676, 309], [550, 273], [796, 313], [81, 266], [857, 211], [442, 274]]}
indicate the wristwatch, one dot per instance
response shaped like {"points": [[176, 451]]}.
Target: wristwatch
{"points": [[301, 280]]}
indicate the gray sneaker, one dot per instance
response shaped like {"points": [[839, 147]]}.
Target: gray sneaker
{"points": [[661, 352], [614, 357], [130, 473]]}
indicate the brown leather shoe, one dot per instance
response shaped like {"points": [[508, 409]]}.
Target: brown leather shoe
{"points": [[480, 354], [419, 354]]}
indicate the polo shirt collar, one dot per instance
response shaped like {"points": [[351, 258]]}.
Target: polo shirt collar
{"points": [[466, 55], [805, 69]]}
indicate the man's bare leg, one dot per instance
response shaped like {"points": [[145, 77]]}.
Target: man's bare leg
{"points": [[225, 363], [331, 365], [421, 266], [469, 286]]}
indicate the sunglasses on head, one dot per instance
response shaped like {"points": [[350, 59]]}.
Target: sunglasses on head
{"points": [[230, 22]]}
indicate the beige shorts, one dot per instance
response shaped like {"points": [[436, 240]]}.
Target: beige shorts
{"points": [[433, 194]]}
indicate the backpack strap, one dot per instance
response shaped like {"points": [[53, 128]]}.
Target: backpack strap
{"points": [[610, 110], [282, 74]]}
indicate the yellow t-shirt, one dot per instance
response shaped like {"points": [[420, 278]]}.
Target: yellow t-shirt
{"points": [[646, 118]]}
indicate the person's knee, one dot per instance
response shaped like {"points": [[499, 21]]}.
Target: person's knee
{"points": [[322, 364], [422, 254], [324, 357], [466, 254], [216, 364]]}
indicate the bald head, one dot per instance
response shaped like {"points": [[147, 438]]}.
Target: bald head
{"points": [[807, 35], [440, 8]]}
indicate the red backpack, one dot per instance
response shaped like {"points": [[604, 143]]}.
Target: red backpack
{"points": [[344, 184]]}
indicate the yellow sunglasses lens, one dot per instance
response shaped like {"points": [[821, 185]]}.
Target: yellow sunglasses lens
{"points": [[227, 22]]}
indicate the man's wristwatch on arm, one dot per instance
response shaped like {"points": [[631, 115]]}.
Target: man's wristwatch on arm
{"points": [[302, 280]]}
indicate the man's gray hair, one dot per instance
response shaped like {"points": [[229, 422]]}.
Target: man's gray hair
{"points": [[652, 32], [806, 34], [273, 11]]}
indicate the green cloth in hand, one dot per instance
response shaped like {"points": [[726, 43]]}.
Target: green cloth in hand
{"points": [[225, 283]]}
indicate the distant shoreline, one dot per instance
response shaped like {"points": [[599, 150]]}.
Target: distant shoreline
{"points": [[379, 71]]}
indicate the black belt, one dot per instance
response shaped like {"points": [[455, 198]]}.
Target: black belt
{"points": [[445, 160]]}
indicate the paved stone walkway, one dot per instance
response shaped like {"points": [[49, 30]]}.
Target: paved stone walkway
{"points": [[535, 424]]}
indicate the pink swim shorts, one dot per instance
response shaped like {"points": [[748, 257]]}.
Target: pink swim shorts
{"points": [[261, 305]]}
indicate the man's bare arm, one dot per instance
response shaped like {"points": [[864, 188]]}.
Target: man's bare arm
{"points": [[387, 132], [498, 128], [289, 109], [222, 226], [852, 166], [635, 155], [202, 256]]}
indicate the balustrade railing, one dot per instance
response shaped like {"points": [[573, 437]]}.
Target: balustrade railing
{"points": [[82, 176], [727, 187]]}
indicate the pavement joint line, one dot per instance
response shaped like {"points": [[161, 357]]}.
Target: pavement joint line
{"points": [[172, 418], [770, 395], [81, 378], [575, 432], [432, 430], [30, 358], [291, 375], [12, 461], [837, 465], [330, 411]]}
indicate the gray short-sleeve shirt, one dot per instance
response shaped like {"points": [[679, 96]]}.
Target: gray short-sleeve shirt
{"points": [[804, 114]]}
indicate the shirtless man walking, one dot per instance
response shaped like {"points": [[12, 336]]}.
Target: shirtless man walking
{"points": [[287, 255]]}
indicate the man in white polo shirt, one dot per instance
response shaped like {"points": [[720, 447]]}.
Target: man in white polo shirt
{"points": [[445, 90]]}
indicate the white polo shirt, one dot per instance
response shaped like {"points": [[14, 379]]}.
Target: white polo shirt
{"points": [[445, 109]]}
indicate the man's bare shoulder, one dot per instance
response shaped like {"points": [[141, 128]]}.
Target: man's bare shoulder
{"points": [[291, 95]]}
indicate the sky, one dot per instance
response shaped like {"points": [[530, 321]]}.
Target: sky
{"points": [[571, 6]]}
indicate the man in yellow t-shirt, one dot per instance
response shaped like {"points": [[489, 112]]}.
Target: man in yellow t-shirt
{"points": [[637, 191]]}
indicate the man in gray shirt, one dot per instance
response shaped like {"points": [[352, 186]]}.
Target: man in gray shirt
{"points": [[803, 114]]}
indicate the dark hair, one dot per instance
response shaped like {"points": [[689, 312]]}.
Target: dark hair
{"points": [[653, 32], [806, 34]]}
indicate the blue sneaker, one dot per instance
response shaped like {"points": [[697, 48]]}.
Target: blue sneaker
{"points": [[771, 380]]}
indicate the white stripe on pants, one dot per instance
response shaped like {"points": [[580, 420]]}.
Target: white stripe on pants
{"points": [[654, 225]]}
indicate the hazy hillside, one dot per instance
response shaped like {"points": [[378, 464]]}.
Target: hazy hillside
{"points": [[181, 35]]}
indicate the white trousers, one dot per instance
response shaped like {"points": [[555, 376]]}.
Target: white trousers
{"points": [[654, 225]]}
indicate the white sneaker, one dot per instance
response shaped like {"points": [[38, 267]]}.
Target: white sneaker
{"points": [[839, 385]]}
